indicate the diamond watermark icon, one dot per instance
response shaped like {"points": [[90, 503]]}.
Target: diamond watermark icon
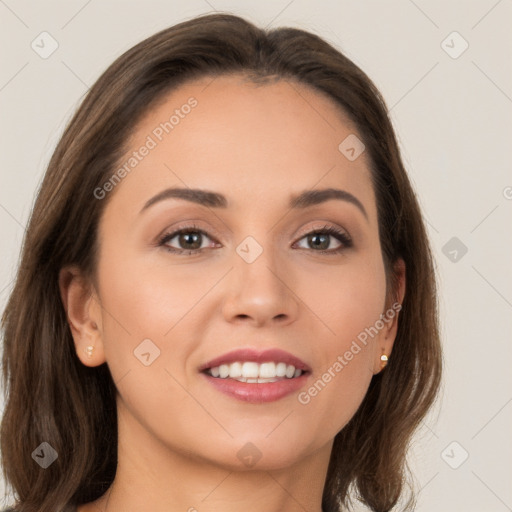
{"points": [[352, 147], [454, 45], [454, 249], [249, 249], [146, 352], [44, 455], [44, 45], [454, 455], [249, 454]]}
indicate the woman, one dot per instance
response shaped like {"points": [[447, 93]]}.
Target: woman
{"points": [[280, 362]]}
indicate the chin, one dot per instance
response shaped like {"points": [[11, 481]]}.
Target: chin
{"points": [[259, 452]]}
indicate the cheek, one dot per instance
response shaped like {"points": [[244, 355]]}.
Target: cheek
{"points": [[140, 302], [148, 334], [346, 298], [149, 292], [332, 398], [350, 303]]}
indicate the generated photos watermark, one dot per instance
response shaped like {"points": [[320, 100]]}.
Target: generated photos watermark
{"points": [[151, 142], [304, 397]]}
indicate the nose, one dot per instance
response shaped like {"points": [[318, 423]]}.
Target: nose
{"points": [[260, 292]]}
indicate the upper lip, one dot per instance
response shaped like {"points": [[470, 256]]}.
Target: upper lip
{"points": [[257, 356]]}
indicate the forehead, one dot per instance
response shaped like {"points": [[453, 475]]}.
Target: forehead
{"points": [[265, 142]]}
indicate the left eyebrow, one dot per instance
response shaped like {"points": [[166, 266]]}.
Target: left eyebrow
{"points": [[215, 200], [203, 197], [313, 197]]}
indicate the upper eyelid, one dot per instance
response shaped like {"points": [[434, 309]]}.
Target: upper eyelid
{"points": [[191, 225]]}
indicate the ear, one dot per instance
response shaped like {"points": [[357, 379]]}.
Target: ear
{"points": [[83, 311], [384, 342]]}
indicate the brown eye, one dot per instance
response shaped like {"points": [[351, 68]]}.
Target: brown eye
{"points": [[188, 240], [320, 240]]}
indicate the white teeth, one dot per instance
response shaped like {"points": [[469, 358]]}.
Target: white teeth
{"points": [[290, 371], [267, 370], [223, 371], [235, 370], [252, 372], [281, 369]]}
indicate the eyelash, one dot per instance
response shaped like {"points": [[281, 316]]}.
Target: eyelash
{"points": [[326, 230]]}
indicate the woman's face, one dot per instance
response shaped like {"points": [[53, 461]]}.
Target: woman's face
{"points": [[170, 312]]}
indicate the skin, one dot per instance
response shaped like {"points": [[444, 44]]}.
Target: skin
{"points": [[178, 435]]}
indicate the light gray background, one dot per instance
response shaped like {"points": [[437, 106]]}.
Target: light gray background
{"points": [[453, 119]]}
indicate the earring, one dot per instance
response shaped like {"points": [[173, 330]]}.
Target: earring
{"points": [[89, 350], [383, 361]]}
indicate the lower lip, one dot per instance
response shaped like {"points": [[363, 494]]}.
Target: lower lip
{"points": [[258, 392]]}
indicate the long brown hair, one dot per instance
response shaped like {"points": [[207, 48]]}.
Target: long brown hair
{"points": [[52, 397]]}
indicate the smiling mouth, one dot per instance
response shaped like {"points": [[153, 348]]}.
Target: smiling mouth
{"points": [[255, 373]]}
